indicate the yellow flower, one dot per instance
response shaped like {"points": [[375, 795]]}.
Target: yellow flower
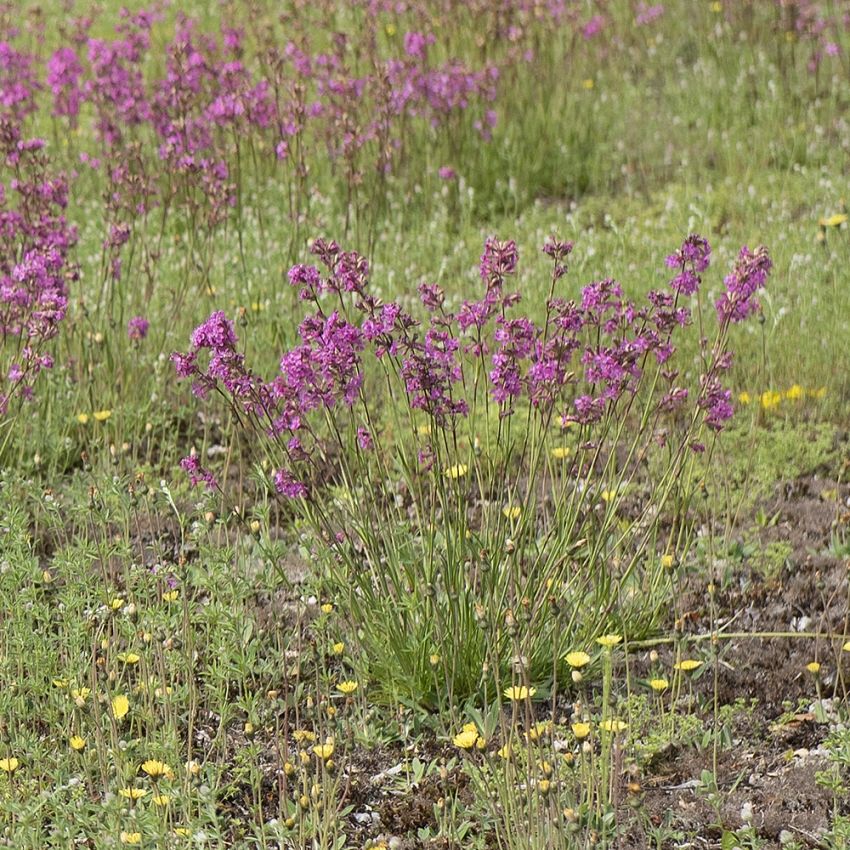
{"points": [[520, 692], [338, 648], [9, 765], [102, 415], [302, 735], [512, 511], [577, 659], [833, 221], [120, 706], [117, 603], [587, 84], [182, 831], [457, 471], [327, 607], [794, 392], [539, 730], [561, 452], [324, 751], [770, 399], [434, 659], [424, 430], [744, 398], [581, 730], [609, 496], [60, 683], [609, 641], [466, 739], [156, 769], [717, 6], [129, 657], [347, 687], [667, 561], [80, 695], [820, 392], [77, 743], [612, 724], [133, 793], [161, 799], [813, 667], [131, 837], [83, 418], [170, 595], [846, 646], [687, 665], [659, 685], [505, 752]]}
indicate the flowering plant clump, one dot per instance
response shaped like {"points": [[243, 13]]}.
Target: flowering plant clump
{"points": [[412, 522], [35, 268]]}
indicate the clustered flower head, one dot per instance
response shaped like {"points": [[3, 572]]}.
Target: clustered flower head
{"points": [[35, 266], [588, 355]]}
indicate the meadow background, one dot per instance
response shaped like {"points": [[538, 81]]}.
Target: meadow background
{"points": [[421, 625]]}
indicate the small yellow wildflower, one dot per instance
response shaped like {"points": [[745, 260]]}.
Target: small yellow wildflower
{"points": [[587, 84], [659, 685], [327, 607], [155, 768], [131, 837], [512, 511], [133, 793], [170, 595], [182, 831], [456, 471], [813, 667], [667, 561], [60, 683], [820, 392], [161, 799], [302, 735], [80, 695], [846, 646], [347, 688], [581, 730], [117, 603], [120, 706], [434, 659], [424, 430], [744, 398], [77, 743], [833, 221], [544, 785], [505, 752], [612, 724], [9, 765], [577, 659], [466, 739], [770, 399], [324, 751], [608, 496], [83, 418], [609, 641], [129, 657], [539, 730], [520, 692], [102, 415], [687, 665], [794, 392], [338, 648], [561, 452], [717, 7]]}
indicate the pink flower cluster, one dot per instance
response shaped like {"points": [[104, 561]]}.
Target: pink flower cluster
{"points": [[586, 361]]}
